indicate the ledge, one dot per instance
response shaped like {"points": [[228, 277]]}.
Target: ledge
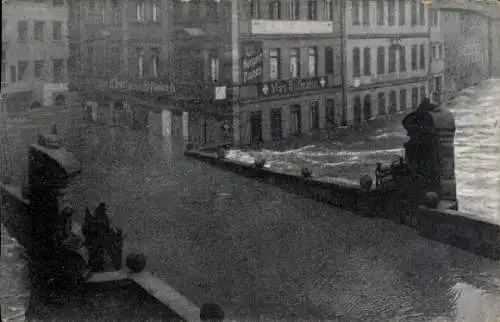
{"points": [[466, 231]]}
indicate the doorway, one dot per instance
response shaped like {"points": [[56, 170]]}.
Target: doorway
{"points": [[295, 120], [256, 127], [357, 110], [367, 107]]}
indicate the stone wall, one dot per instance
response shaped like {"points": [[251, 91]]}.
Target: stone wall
{"points": [[462, 230]]}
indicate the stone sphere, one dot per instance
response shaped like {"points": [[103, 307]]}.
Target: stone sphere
{"points": [[431, 199], [136, 262], [365, 182], [306, 172], [260, 162]]}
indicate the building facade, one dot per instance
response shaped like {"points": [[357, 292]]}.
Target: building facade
{"points": [[288, 72], [34, 52], [468, 29], [388, 57]]}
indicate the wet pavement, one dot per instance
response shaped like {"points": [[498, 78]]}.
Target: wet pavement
{"points": [[260, 251]]}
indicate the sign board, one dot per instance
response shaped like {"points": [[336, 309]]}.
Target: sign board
{"points": [[291, 86], [251, 62], [220, 92], [426, 1], [146, 86]]}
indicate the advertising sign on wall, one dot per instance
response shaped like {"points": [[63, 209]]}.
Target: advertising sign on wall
{"points": [[251, 62]]}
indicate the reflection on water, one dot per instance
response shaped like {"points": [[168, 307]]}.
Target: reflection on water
{"points": [[477, 151]]}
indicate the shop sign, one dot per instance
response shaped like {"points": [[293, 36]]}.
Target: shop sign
{"points": [[292, 86], [146, 86], [251, 62]]}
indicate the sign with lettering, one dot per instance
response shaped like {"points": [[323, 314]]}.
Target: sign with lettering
{"points": [[146, 86], [291, 86], [251, 62]]}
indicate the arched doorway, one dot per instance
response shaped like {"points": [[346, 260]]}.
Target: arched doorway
{"points": [[357, 110], [367, 107]]}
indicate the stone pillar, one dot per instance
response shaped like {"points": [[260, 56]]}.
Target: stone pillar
{"points": [[430, 150], [166, 123]]}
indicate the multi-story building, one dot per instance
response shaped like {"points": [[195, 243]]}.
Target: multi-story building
{"points": [[287, 68], [468, 30], [34, 52], [387, 55]]}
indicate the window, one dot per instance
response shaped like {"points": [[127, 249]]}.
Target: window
{"points": [[391, 8], [422, 14], [380, 60], [57, 3], [367, 59], [57, 70], [423, 93], [140, 62], [274, 64], [4, 65], [329, 61], [414, 13], [402, 99], [57, 30], [22, 66], [22, 30], [328, 10], [366, 12], [414, 53], [355, 12], [156, 12], [141, 11], [380, 13], [314, 115], [38, 28], [275, 9], [435, 18], [356, 62], [440, 50], [38, 70], [155, 62], [294, 9], [115, 57], [393, 103], [276, 125], [294, 63], [13, 74], [422, 56], [414, 97], [312, 59], [255, 9], [214, 67], [402, 12], [312, 10], [434, 55], [402, 59], [381, 103], [392, 60]]}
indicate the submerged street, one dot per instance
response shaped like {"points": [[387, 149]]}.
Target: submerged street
{"points": [[255, 249]]}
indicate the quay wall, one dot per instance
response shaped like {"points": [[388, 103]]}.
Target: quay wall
{"points": [[466, 231]]}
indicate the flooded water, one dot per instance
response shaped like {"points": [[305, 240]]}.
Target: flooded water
{"points": [[477, 150], [262, 252]]}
